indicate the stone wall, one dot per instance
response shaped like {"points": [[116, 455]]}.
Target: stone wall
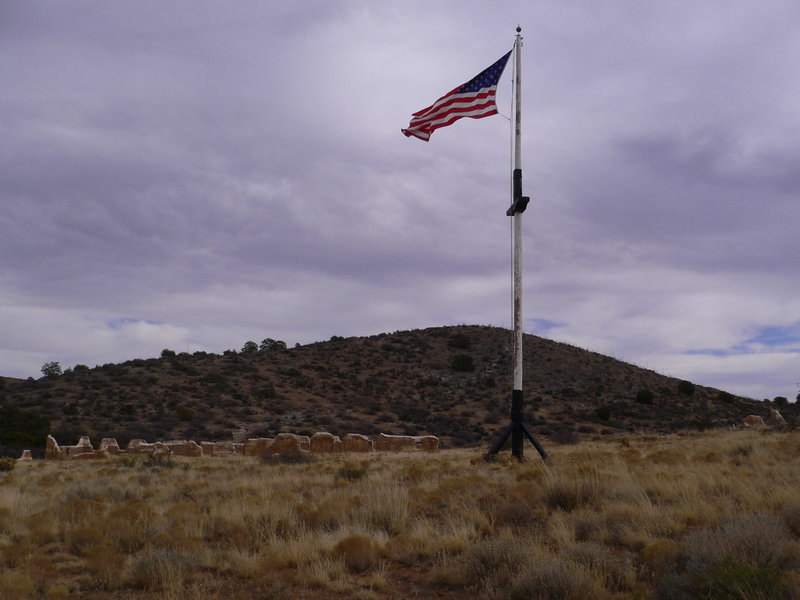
{"points": [[321, 442]]}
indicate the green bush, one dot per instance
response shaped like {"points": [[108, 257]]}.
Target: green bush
{"points": [[686, 387], [644, 396]]}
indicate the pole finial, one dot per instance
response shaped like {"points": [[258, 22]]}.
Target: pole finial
{"points": [[519, 29]]}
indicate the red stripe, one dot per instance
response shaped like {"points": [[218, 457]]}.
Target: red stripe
{"points": [[438, 105], [475, 105]]}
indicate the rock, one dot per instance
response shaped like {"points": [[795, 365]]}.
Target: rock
{"points": [[753, 421], [775, 419]]}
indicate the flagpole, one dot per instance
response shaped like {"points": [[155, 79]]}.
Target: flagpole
{"points": [[517, 429], [517, 392]]}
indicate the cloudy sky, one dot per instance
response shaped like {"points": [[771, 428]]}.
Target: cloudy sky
{"points": [[195, 174]]}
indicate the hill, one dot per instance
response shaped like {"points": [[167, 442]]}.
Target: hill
{"points": [[453, 382]]}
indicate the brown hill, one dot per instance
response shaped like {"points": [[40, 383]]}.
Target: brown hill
{"points": [[453, 382]]}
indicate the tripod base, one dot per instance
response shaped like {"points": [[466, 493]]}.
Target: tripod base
{"points": [[518, 431]]}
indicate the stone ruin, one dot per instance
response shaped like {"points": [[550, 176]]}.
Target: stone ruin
{"points": [[775, 419], [283, 443]]}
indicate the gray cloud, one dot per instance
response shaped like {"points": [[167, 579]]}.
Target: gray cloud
{"points": [[193, 174]]}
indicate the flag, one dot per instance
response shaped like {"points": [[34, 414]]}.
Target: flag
{"points": [[474, 99]]}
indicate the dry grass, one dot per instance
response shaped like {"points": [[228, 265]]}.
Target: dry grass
{"points": [[711, 515]]}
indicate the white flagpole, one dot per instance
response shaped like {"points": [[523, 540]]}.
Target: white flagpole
{"points": [[517, 429], [517, 191]]}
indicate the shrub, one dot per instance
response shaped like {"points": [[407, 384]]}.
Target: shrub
{"points": [[7, 464], [162, 569], [741, 558], [490, 564], [358, 551], [290, 458], [644, 396], [463, 363], [567, 492], [184, 413], [553, 579], [686, 387], [459, 341], [352, 472], [726, 397], [603, 412]]}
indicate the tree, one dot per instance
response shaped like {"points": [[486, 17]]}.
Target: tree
{"points": [[270, 345], [51, 370], [249, 347], [20, 429]]}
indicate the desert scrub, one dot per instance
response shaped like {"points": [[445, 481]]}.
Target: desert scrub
{"points": [[7, 464], [622, 526], [746, 557]]}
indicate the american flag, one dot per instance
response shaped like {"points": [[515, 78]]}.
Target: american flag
{"points": [[474, 99]]}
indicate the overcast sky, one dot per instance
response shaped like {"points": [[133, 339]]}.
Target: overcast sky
{"points": [[195, 174]]}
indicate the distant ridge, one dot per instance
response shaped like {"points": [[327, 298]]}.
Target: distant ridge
{"points": [[453, 382]]}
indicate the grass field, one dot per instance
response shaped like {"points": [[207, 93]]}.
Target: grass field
{"points": [[714, 515]]}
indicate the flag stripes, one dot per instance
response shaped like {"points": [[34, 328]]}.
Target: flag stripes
{"points": [[474, 99]]}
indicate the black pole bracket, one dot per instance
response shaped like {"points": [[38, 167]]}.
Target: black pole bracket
{"points": [[520, 202]]}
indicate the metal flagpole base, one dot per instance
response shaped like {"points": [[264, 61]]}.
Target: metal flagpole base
{"points": [[518, 431]]}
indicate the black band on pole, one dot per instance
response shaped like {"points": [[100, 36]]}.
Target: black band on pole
{"points": [[519, 202]]}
